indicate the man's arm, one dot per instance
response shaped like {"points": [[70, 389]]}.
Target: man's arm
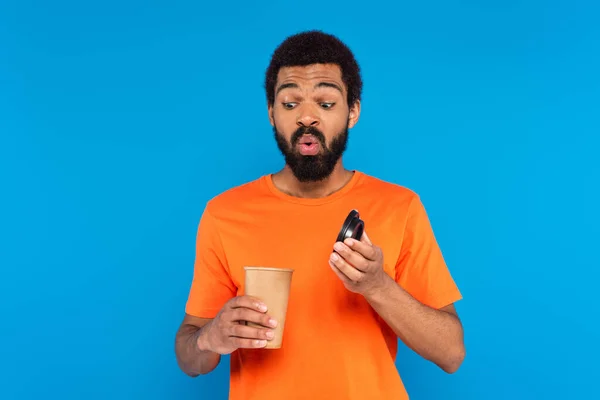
{"points": [[436, 335], [192, 356], [200, 341]]}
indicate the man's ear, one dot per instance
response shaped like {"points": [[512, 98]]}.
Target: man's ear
{"points": [[270, 111], [354, 114]]}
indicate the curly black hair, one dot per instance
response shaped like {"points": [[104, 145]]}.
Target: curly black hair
{"points": [[315, 47]]}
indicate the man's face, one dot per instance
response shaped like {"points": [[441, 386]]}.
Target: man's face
{"points": [[311, 118]]}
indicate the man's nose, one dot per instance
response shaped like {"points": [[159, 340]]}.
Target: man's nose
{"points": [[307, 117]]}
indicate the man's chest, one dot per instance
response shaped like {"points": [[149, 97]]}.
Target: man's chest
{"points": [[301, 239]]}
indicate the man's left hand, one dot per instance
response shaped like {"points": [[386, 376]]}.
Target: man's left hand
{"points": [[359, 265]]}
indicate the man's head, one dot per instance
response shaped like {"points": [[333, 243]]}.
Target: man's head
{"points": [[313, 87]]}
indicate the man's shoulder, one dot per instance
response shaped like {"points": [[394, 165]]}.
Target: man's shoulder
{"points": [[237, 195], [387, 190]]}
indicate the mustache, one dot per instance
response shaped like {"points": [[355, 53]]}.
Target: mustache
{"points": [[308, 130]]}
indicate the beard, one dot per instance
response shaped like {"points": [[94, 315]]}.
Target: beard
{"points": [[312, 168]]}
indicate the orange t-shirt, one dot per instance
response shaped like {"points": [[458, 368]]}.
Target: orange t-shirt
{"points": [[334, 345]]}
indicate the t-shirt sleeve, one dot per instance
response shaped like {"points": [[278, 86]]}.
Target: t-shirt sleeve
{"points": [[211, 285], [421, 269]]}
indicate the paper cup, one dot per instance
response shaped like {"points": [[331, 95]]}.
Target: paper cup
{"points": [[272, 287]]}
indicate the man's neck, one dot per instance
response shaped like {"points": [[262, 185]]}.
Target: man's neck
{"points": [[285, 181]]}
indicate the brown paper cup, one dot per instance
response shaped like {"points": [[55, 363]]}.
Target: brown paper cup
{"points": [[271, 286]]}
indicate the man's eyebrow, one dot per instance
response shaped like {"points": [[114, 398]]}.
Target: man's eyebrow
{"points": [[286, 86], [329, 84]]}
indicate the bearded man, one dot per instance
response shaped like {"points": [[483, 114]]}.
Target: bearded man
{"points": [[350, 300]]}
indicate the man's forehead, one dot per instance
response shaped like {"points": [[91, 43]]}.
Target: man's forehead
{"points": [[310, 74]]}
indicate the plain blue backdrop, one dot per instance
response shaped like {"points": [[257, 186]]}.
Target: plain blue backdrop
{"points": [[119, 120]]}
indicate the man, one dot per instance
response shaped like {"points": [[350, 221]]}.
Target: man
{"points": [[350, 301]]}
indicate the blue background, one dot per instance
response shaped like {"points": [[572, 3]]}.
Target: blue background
{"points": [[119, 120]]}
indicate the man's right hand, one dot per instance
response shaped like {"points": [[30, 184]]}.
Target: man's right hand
{"points": [[228, 331]]}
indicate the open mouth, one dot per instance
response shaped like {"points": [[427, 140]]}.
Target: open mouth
{"points": [[308, 145], [308, 140]]}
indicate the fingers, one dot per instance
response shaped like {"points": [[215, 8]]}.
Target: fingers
{"points": [[354, 261], [250, 309], [244, 324], [241, 343], [248, 302], [347, 270], [365, 239], [353, 258], [340, 274], [255, 334], [243, 315], [365, 249]]}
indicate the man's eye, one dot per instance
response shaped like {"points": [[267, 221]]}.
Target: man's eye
{"points": [[327, 105], [289, 106]]}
